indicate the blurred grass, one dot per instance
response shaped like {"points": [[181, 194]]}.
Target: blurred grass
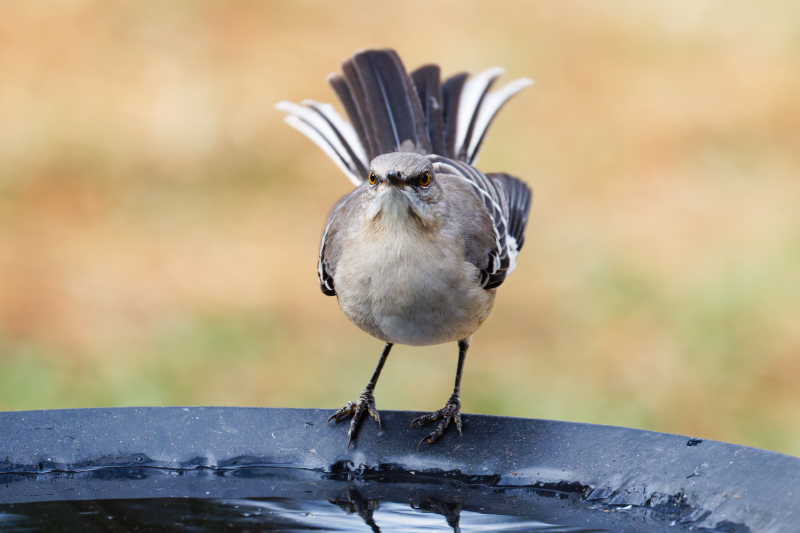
{"points": [[159, 224]]}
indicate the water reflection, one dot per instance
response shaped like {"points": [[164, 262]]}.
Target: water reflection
{"points": [[262, 514], [362, 507]]}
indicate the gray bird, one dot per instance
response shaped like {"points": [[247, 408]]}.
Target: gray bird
{"points": [[416, 251]]}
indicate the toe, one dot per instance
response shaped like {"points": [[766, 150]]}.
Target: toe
{"points": [[375, 415], [449, 413], [348, 409], [430, 417]]}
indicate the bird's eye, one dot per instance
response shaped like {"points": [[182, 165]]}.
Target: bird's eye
{"points": [[425, 179], [372, 178]]}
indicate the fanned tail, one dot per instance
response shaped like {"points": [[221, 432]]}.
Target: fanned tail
{"points": [[392, 111]]}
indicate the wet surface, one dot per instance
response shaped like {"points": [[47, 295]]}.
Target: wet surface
{"points": [[342, 497], [262, 514]]}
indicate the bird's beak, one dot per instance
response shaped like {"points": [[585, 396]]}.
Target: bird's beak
{"points": [[394, 179]]}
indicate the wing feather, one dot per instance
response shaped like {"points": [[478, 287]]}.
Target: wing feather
{"points": [[507, 202], [329, 248]]}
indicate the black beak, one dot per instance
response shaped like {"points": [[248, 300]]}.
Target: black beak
{"points": [[393, 177]]}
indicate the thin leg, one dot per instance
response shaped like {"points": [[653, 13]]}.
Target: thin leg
{"points": [[365, 402], [452, 409]]}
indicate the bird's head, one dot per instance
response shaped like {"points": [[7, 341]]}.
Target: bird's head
{"points": [[401, 185]]}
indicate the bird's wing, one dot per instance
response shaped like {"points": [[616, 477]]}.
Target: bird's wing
{"points": [[518, 200], [507, 201], [392, 111], [330, 248]]}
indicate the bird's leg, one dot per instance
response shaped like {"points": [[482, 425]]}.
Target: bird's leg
{"points": [[452, 409], [365, 402]]}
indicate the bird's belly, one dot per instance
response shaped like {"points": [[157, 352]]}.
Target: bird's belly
{"points": [[417, 294]]}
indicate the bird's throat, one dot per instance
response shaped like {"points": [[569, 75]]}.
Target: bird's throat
{"points": [[396, 208]]}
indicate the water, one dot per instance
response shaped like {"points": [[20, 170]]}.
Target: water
{"points": [[343, 497], [261, 514]]}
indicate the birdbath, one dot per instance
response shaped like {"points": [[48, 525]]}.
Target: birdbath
{"points": [[254, 469]]}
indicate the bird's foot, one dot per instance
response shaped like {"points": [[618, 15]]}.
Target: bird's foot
{"points": [[451, 411], [450, 511], [365, 402], [355, 504]]}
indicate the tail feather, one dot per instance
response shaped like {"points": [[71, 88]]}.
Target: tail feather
{"points": [[429, 90], [382, 127], [396, 121], [314, 125], [348, 100], [423, 143], [472, 96], [392, 111], [451, 98], [488, 109], [362, 105], [344, 132]]}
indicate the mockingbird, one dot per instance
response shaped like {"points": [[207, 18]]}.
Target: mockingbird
{"points": [[416, 251]]}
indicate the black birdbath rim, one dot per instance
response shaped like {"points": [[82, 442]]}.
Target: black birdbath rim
{"points": [[564, 473]]}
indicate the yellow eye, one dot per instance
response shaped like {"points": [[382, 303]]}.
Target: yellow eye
{"points": [[425, 179], [372, 178]]}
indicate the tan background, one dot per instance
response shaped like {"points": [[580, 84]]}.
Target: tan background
{"points": [[159, 223]]}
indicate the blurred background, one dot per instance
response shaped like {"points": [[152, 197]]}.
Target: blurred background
{"points": [[160, 224]]}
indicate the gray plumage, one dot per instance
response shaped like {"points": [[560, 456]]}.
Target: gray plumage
{"points": [[406, 264], [415, 252]]}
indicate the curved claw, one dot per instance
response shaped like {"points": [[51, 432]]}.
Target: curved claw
{"points": [[421, 420], [348, 409], [365, 403], [451, 412], [423, 440], [374, 414]]}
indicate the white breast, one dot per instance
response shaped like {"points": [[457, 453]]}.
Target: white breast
{"points": [[410, 287]]}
